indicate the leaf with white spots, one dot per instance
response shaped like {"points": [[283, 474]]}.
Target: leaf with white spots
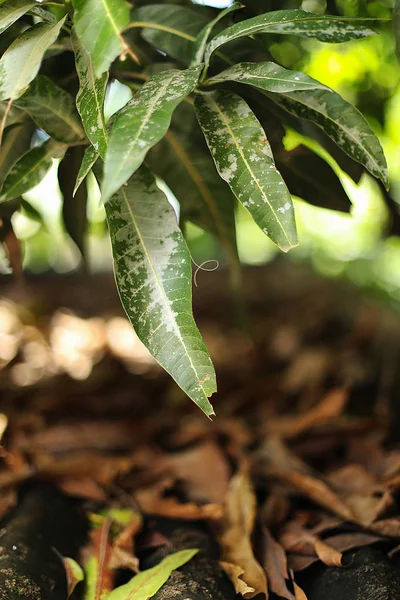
{"points": [[267, 76], [12, 10], [98, 25], [244, 160], [153, 273], [170, 28], [142, 123], [325, 28], [28, 171], [342, 122], [20, 63], [202, 38], [90, 98], [52, 109], [89, 158]]}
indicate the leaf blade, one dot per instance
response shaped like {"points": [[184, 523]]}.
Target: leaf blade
{"points": [[12, 11], [244, 160], [98, 25], [52, 109], [142, 123], [294, 22], [24, 56], [200, 42], [148, 582], [90, 97], [153, 275]]}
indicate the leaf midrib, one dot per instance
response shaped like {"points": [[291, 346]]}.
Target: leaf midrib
{"points": [[255, 179], [73, 124], [162, 293]]}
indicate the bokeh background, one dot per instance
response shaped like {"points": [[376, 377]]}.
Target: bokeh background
{"points": [[354, 246]]}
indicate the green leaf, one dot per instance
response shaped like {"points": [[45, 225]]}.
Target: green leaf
{"points": [[88, 160], [188, 170], [21, 61], [147, 583], [342, 122], [16, 141], [28, 171], [98, 25], [13, 114], [244, 159], [295, 22], [74, 574], [12, 10], [396, 25], [90, 98], [52, 109], [202, 38], [267, 76], [153, 273], [74, 205], [172, 29], [142, 123]]}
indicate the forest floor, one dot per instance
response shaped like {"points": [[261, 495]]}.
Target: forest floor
{"points": [[292, 491]]}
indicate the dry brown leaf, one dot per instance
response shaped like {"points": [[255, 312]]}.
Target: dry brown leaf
{"points": [[236, 530], [298, 592], [235, 573], [82, 487], [205, 470], [275, 565], [123, 547], [328, 555], [387, 527]]}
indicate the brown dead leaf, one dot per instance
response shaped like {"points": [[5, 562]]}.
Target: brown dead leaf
{"points": [[235, 574], [82, 487], [387, 527], [328, 555], [275, 565], [152, 500], [298, 592], [236, 530], [123, 550]]}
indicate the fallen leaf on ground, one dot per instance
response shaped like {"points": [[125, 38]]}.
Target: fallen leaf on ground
{"points": [[235, 574], [275, 565]]}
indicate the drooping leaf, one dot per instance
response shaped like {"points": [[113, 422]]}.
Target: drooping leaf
{"points": [[142, 123], [244, 159], [28, 171], [16, 142], [295, 22], [12, 10], [342, 122], [88, 160], [202, 38], [98, 25], [267, 76], [74, 206], [90, 98], [147, 583], [153, 273], [172, 29], [21, 61], [309, 177], [188, 170], [52, 109]]}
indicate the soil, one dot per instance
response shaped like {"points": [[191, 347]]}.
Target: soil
{"points": [[291, 491]]}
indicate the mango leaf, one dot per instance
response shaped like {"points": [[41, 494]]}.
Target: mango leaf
{"points": [[244, 159], [342, 122], [88, 160], [267, 76], [147, 583], [74, 205], [153, 274], [12, 10], [21, 61], [90, 98], [188, 170], [142, 123], [172, 29], [98, 26], [309, 176], [28, 171], [52, 109], [325, 28], [202, 38], [16, 142]]}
